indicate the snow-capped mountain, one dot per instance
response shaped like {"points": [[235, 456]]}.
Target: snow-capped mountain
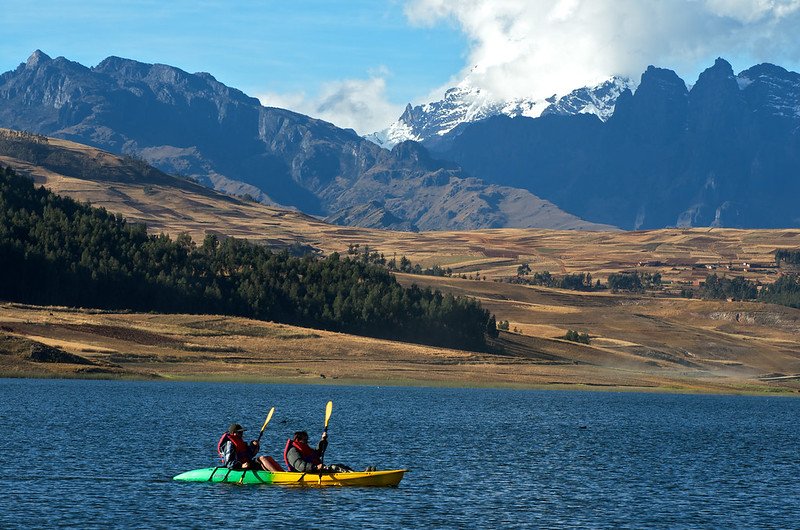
{"points": [[466, 103], [723, 153]]}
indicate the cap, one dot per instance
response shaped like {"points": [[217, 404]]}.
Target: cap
{"points": [[235, 427]]}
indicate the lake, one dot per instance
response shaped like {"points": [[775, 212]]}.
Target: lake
{"points": [[90, 454]]}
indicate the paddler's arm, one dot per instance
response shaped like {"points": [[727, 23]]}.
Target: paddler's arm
{"points": [[253, 448], [323, 443]]}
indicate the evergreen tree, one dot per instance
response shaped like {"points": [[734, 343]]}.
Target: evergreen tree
{"points": [[61, 252]]}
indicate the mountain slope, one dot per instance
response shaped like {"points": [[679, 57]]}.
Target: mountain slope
{"points": [[190, 124], [131, 188]]}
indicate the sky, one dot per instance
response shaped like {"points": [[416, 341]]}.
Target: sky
{"points": [[357, 63]]}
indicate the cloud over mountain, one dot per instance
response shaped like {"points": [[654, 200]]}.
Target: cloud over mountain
{"points": [[359, 104], [523, 48]]}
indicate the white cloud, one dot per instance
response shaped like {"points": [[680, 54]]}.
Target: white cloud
{"points": [[750, 11], [538, 47], [359, 104]]}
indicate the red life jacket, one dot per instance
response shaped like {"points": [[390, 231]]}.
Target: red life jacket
{"points": [[309, 455], [239, 445]]}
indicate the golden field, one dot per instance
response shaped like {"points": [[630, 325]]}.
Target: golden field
{"points": [[638, 341], [210, 347]]}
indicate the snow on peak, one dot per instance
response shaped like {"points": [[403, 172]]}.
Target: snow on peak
{"points": [[599, 100], [467, 103]]}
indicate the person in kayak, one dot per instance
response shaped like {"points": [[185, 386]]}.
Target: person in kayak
{"points": [[299, 456], [238, 454]]}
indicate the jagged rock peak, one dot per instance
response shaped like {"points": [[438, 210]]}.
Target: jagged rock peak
{"points": [[128, 67], [721, 70], [663, 78], [768, 70], [771, 89], [134, 69], [657, 110], [408, 115], [37, 57], [715, 83], [722, 64], [113, 62]]}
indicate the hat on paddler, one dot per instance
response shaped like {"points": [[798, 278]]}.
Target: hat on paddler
{"points": [[234, 428]]}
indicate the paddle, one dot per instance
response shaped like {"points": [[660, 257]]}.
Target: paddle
{"points": [[323, 446], [269, 417]]}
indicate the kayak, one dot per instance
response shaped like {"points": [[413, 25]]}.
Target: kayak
{"points": [[354, 478], [390, 477]]}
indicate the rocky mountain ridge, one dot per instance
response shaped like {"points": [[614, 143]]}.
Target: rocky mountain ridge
{"points": [[192, 125], [725, 153]]}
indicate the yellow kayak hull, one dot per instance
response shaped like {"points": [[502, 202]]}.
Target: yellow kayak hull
{"points": [[390, 477]]}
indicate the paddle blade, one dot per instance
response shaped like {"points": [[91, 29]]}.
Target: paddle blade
{"points": [[269, 417], [328, 411]]}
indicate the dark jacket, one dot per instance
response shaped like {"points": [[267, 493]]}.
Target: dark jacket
{"points": [[295, 459]]}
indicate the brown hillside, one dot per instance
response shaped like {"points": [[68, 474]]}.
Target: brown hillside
{"points": [[637, 340], [227, 348]]}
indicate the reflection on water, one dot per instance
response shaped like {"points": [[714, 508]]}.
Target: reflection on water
{"points": [[98, 453]]}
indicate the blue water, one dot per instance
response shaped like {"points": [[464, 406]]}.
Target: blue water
{"points": [[90, 454]]}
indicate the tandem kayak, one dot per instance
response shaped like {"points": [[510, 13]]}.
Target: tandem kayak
{"points": [[354, 478]]}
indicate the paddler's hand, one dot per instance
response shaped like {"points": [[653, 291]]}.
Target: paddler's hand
{"points": [[254, 443], [324, 435]]}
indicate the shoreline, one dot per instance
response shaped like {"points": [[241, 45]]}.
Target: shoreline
{"points": [[421, 383], [54, 342]]}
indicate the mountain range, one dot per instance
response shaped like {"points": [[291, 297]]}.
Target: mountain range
{"points": [[195, 126], [724, 153]]}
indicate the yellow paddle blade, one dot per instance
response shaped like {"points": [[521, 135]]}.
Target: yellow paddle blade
{"points": [[328, 410], [269, 417]]}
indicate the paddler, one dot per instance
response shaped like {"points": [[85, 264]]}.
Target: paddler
{"points": [[238, 454], [299, 456]]}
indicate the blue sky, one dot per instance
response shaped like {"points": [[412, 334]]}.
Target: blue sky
{"points": [[282, 47], [358, 62]]}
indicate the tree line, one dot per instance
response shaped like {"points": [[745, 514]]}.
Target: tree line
{"points": [[632, 281], [790, 257], [56, 251], [784, 291], [367, 255], [578, 281]]}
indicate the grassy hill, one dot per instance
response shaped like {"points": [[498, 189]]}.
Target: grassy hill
{"points": [[639, 340]]}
